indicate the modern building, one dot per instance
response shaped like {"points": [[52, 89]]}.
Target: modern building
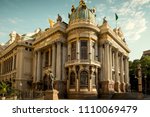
{"points": [[87, 60], [146, 53]]}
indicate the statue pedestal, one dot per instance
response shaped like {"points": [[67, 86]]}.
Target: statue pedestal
{"points": [[51, 95]]}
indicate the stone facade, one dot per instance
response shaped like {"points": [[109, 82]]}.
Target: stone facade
{"points": [[16, 62], [87, 60]]}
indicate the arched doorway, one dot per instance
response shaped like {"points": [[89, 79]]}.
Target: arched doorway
{"points": [[84, 78]]}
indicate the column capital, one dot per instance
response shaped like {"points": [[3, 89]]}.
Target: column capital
{"points": [[116, 49], [126, 57], [108, 43], [58, 42]]}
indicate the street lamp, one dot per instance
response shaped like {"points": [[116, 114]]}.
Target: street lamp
{"points": [[145, 77], [139, 76]]}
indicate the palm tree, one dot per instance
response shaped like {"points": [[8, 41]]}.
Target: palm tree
{"points": [[3, 88]]}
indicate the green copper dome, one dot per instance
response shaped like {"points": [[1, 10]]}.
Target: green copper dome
{"points": [[82, 13]]}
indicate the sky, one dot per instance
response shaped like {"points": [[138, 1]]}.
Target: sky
{"points": [[24, 16]]}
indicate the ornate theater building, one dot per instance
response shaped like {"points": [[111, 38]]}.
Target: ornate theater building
{"points": [[86, 60]]}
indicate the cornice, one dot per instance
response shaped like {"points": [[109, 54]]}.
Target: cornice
{"points": [[117, 39], [82, 25], [58, 27]]}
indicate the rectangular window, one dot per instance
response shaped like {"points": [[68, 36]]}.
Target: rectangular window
{"points": [[83, 49], [15, 62], [73, 50], [93, 51], [46, 58]]}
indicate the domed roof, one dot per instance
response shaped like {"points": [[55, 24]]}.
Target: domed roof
{"points": [[82, 13]]}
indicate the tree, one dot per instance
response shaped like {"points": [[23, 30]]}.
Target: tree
{"points": [[132, 74], [145, 62], [145, 65]]}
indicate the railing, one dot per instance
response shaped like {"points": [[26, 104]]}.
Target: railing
{"points": [[83, 61]]}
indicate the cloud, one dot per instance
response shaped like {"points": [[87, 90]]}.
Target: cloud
{"points": [[12, 21], [88, 1], [2, 33], [111, 1], [135, 23], [131, 16], [15, 20], [130, 25], [100, 8], [135, 26], [140, 2]]}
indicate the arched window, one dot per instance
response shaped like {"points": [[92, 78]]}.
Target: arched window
{"points": [[72, 78], [84, 78]]}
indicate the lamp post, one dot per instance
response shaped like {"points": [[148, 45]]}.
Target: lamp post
{"points": [[139, 76], [145, 77]]}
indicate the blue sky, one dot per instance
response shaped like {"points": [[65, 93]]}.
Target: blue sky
{"points": [[24, 16]]}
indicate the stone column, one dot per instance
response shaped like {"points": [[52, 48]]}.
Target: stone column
{"points": [[89, 50], [101, 59], [90, 77], [38, 66], [110, 59], [107, 62], [117, 81], [63, 60], [122, 75], [78, 49], [54, 60], [35, 67], [96, 51], [58, 63], [69, 52], [106, 70], [20, 63], [77, 82], [43, 60], [127, 84]]}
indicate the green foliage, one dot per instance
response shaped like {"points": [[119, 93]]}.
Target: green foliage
{"points": [[145, 62], [145, 68], [145, 65], [132, 67], [3, 88], [13, 92]]}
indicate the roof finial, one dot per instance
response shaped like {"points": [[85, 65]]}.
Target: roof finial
{"points": [[82, 2]]}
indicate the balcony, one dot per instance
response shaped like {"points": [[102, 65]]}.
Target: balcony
{"points": [[82, 61]]}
